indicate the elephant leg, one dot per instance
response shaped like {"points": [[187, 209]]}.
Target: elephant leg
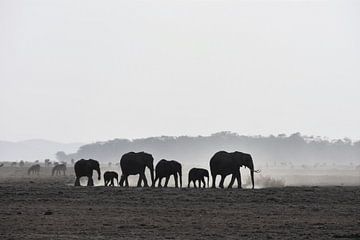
{"points": [[194, 182], [139, 181], [222, 181], [122, 178], [145, 180], [214, 180], [112, 182], [232, 181], [189, 184], [90, 181], [160, 179], [126, 181], [176, 180], [77, 182], [238, 176], [105, 183], [203, 181], [167, 181]]}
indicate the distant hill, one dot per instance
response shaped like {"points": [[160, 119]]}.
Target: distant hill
{"points": [[35, 149], [281, 150]]}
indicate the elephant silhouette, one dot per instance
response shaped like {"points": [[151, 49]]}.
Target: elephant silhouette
{"points": [[198, 174], [34, 169], [85, 168], [165, 168], [226, 163], [135, 163], [109, 177], [58, 169]]}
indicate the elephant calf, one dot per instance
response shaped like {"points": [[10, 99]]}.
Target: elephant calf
{"points": [[198, 174], [164, 169], [109, 177]]}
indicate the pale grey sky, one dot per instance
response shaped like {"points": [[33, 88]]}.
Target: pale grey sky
{"points": [[94, 70]]}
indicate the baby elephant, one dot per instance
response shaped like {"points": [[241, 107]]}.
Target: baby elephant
{"points": [[109, 177], [198, 174]]}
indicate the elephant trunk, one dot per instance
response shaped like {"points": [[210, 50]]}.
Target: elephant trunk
{"points": [[208, 179]]}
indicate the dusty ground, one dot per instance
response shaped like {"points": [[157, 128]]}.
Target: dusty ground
{"points": [[50, 208]]}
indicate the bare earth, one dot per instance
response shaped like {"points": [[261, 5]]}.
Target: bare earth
{"points": [[50, 208]]}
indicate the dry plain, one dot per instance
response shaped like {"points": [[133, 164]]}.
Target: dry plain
{"points": [[45, 207]]}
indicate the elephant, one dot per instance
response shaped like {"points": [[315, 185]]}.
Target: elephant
{"points": [[85, 168], [34, 169], [198, 174], [109, 177], [225, 163], [134, 163], [58, 169], [164, 169]]}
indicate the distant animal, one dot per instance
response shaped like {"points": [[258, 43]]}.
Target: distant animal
{"points": [[225, 163], [165, 168], [34, 169], [47, 162], [85, 168], [21, 163], [198, 174], [135, 163], [58, 169], [1, 164], [109, 177], [13, 164]]}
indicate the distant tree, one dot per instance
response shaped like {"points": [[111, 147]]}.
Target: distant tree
{"points": [[61, 156]]}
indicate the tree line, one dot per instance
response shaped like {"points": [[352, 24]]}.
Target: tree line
{"points": [[281, 149]]}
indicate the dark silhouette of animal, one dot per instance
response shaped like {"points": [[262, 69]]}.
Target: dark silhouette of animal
{"points": [[34, 169], [1, 165], [85, 168], [134, 163], [225, 163], [109, 177], [13, 164], [58, 169], [165, 168], [198, 174]]}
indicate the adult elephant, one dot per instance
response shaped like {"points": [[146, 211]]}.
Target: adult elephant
{"points": [[164, 169], [135, 163], [198, 174], [109, 177], [85, 168], [226, 163]]}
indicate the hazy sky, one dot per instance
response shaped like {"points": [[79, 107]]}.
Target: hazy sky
{"points": [[95, 70]]}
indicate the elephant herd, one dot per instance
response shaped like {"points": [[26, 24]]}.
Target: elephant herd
{"points": [[222, 163]]}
